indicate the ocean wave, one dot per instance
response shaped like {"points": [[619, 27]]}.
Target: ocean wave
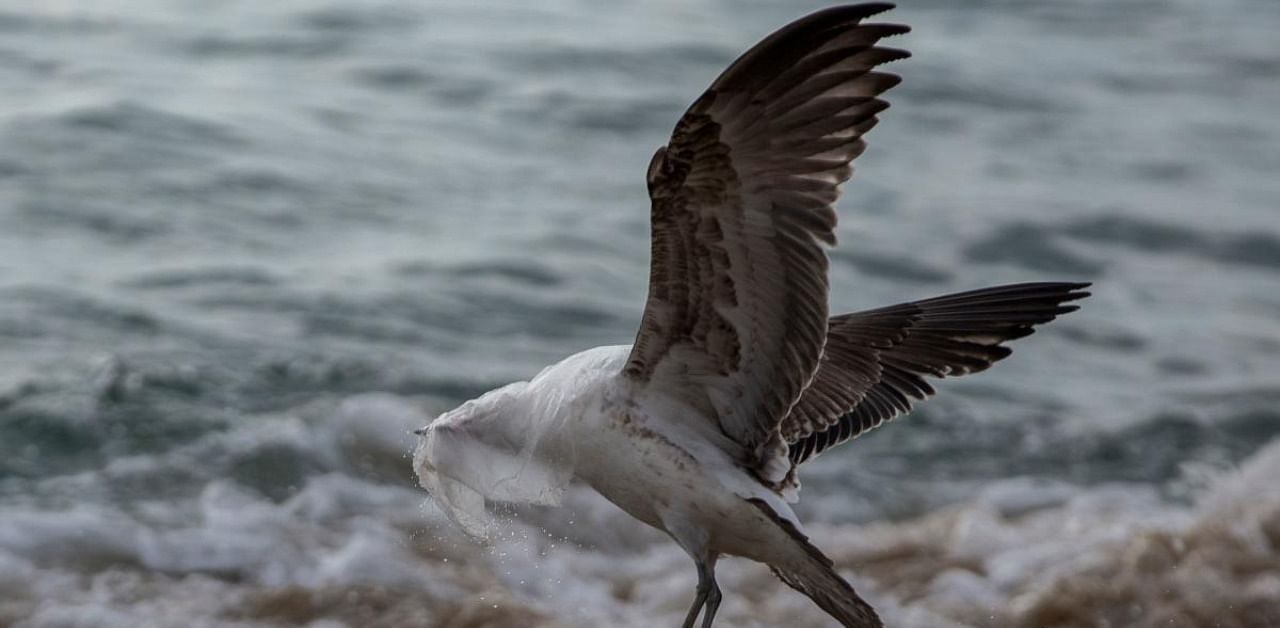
{"points": [[517, 272], [127, 117], [891, 266], [1259, 249], [1034, 247], [296, 46], [357, 548], [348, 19], [242, 255], [1053, 247], [198, 277]]}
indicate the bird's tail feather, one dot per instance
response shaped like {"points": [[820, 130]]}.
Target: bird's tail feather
{"points": [[810, 572], [818, 580]]}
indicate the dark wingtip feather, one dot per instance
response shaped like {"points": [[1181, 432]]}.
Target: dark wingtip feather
{"points": [[849, 11], [946, 336], [875, 8], [893, 54], [894, 30]]}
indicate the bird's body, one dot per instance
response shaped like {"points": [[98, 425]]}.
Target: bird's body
{"points": [[643, 450], [737, 375], [648, 458], [635, 446]]}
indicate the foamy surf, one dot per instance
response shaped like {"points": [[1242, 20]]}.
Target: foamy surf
{"points": [[214, 232], [360, 551]]}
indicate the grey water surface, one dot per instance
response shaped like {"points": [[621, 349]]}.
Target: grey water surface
{"points": [[224, 223]]}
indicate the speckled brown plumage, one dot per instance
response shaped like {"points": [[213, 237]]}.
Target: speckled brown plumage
{"points": [[875, 361], [742, 202]]}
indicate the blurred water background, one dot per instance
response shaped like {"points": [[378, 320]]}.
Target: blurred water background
{"points": [[246, 246]]}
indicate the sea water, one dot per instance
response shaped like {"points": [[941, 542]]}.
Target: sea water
{"points": [[246, 247]]}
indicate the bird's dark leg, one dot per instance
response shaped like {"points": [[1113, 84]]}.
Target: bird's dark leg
{"points": [[708, 594], [713, 593], [699, 600]]}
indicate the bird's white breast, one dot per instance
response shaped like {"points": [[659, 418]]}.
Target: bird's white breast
{"points": [[657, 458]]}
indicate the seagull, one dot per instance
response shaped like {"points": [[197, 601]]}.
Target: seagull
{"points": [[738, 374]]}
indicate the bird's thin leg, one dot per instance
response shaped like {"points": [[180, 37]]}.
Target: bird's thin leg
{"points": [[705, 585], [707, 572]]}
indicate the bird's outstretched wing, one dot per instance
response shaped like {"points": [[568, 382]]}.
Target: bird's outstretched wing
{"points": [[741, 205], [875, 361]]}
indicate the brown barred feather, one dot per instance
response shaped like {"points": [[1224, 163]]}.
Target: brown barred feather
{"points": [[742, 202], [875, 362]]}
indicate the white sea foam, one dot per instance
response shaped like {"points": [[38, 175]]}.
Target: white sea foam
{"points": [[309, 208], [347, 551]]}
